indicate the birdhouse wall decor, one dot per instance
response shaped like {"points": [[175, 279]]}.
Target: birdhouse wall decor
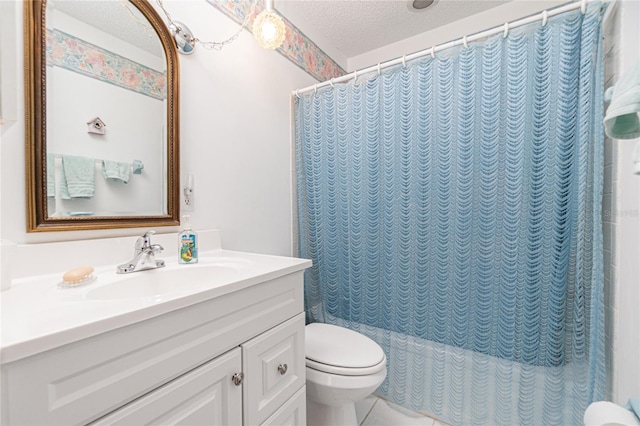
{"points": [[96, 126]]}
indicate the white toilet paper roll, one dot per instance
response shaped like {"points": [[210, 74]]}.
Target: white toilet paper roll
{"points": [[604, 413], [636, 159]]}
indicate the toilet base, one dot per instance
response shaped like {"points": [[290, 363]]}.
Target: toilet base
{"points": [[331, 398], [331, 415]]}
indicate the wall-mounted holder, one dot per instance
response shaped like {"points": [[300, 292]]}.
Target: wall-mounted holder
{"points": [[96, 126], [187, 192], [185, 41], [136, 167]]}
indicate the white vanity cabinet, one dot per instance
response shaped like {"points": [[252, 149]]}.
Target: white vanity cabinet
{"points": [[231, 360], [274, 369], [204, 396]]}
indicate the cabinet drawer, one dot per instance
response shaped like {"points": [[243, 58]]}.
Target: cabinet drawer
{"points": [[83, 381], [204, 396], [274, 369], [292, 413]]}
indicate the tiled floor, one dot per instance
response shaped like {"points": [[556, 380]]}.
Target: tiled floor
{"points": [[374, 411]]}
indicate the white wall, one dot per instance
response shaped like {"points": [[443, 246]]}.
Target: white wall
{"points": [[611, 47], [624, 230], [235, 137]]}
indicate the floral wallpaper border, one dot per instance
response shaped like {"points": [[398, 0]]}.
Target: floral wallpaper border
{"points": [[297, 47], [77, 55]]}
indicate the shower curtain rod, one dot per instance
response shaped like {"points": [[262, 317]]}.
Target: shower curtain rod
{"points": [[543, 16]]}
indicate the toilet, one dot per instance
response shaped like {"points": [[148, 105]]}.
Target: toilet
{"points": [[342, 367], [604, 413]]}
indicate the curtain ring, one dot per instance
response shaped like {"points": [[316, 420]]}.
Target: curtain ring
{"points": [[433, 52], [331, 82], [355, 77], [315, 89], [464, 42], [404, 61], [378, 68], [583, 7], [506, 30], [544, 18], [298, 93]]}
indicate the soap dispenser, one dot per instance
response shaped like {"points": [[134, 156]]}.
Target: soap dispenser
{"points": [[187, 243]]}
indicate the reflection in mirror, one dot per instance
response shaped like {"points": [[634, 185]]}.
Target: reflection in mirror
{"points": [[104, 131]]}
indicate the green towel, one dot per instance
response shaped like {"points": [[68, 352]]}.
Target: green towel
{"points": [[51, 179], [116, 170], [621, 120], [51, 175], [79, 176], [64, 192]]}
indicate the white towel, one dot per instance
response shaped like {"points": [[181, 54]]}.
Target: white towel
{"points": [[621, 120]]}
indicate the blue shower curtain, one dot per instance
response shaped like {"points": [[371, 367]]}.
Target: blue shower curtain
{"points": [[451, 207]]}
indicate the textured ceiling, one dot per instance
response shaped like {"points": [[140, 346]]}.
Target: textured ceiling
{"points": [[352, 27], [114, 17], [358, 26]]}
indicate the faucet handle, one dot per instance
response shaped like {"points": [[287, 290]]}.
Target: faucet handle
{"points": [[149, 233], [144, 242]]}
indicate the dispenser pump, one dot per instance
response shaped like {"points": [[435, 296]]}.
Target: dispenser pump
{"points": [[186, 222]]}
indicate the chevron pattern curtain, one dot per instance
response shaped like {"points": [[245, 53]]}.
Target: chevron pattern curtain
{"points": [[452, 209]]}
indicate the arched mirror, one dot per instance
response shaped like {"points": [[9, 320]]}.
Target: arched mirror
{"points": [[101, 84]]}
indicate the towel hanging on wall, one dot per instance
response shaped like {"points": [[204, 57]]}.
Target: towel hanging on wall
{"points": [[621, 120], [116, 170], [51, 176], [79, 176]]}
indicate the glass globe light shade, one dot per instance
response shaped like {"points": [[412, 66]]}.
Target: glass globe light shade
{"points": [[269, 30]]}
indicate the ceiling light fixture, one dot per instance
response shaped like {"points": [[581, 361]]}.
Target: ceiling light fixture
{"points": [[268, 28]]}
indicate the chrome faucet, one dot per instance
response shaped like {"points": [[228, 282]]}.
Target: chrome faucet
{"points": [[144, 256]]}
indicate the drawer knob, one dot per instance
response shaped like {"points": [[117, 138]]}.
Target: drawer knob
{"points": [[237, 378], [282, 369]]}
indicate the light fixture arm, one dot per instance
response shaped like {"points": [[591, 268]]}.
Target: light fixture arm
{"points": [[186, 41]]}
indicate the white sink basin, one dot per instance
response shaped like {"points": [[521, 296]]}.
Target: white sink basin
{"points": [[174, 279], [38, 315]]}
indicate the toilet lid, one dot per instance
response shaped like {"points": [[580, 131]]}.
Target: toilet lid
{"points": [[340, 347]]}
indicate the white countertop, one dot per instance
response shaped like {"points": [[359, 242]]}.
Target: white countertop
{"points": [[37, 315]]}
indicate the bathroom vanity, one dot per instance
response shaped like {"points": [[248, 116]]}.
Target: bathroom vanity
{"points": [[217, 343]]}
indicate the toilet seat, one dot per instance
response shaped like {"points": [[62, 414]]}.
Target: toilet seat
{"points": [[345, 371], [338, 350]]}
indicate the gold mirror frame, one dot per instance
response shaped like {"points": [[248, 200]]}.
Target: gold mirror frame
{"points": [[36, 130]]}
